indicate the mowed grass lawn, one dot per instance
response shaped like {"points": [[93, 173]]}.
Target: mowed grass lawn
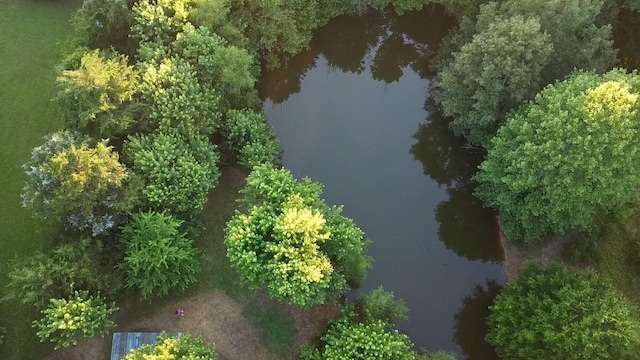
{"points": [[30, 31]]}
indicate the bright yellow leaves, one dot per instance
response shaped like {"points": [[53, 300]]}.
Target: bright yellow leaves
{"points": [[81, 169], [299, 230], [611, 98]]}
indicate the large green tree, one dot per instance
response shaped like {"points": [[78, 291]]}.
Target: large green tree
{"points": [[290, 241], [557, 314], [569, 153], [495, 72], [499, 58]]}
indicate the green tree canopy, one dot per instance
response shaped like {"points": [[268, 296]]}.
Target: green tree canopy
{"points": [[177, 99], [372, 339], [556, 314], [569, 153], [82, 315], [158, 257], [290, 241], [185, 347], [77, 183], [177, 173], [509, 51], [251, 138], [491, 75]]}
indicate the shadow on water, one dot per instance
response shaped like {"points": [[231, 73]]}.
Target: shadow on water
{"points": [[626, 39], [465, 226], [379, 41], [470, 326]]}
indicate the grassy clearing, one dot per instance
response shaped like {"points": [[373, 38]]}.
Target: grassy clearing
{"points": [[29, 34], [613, 248]]}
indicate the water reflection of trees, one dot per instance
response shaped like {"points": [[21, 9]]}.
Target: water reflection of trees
{"points": [[382, 42], [626, 38], [470, 326], [466, 227]]}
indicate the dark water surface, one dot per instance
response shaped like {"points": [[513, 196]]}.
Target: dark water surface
{"points": [[354, 113]]}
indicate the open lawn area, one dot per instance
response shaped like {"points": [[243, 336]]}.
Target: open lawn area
{"points": [[30, 31]]}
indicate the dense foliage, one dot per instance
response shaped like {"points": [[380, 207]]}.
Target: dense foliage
{"points": [[556, 314], [177, 173], [251, 138], [158, 257], [76, 183], [82, 315], [381, 305], [290, 241], [569, 153], [186, 347], [358, 335], [97, 97], [495, 72], [58, 273], [497, 59]]}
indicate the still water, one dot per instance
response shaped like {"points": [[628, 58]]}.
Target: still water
{"points": [[354, 112]]}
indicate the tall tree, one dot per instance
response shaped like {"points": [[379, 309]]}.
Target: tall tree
{"points": [[158, 257], [491, 75], [291, 242], [491, 65], [569, 153]]}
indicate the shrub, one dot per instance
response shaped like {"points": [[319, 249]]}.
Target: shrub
{"points": [[370, 340], [58, 273], [82, 315], [158, 258], [251, 138], [177, 173], [80, 185], [557, 314], [381, 305]]}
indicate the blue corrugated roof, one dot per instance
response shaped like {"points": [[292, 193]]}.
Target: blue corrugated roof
{"points": [[123, 343]]}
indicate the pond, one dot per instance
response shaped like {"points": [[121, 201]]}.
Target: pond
{"points": [[355, 113]]}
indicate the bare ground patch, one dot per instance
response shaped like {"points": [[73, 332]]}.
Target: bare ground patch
{"points": [[218, 319]]}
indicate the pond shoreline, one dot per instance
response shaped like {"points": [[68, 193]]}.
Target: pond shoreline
{"points": [[543, 252]]}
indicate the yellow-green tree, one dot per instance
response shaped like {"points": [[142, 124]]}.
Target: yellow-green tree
{"points": [[97, 98], [185, 347], [571, 152], [291, 242], [82, 315]]}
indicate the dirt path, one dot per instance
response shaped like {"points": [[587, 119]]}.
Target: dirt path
{"points": [[544, 252], [218, 319]]}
